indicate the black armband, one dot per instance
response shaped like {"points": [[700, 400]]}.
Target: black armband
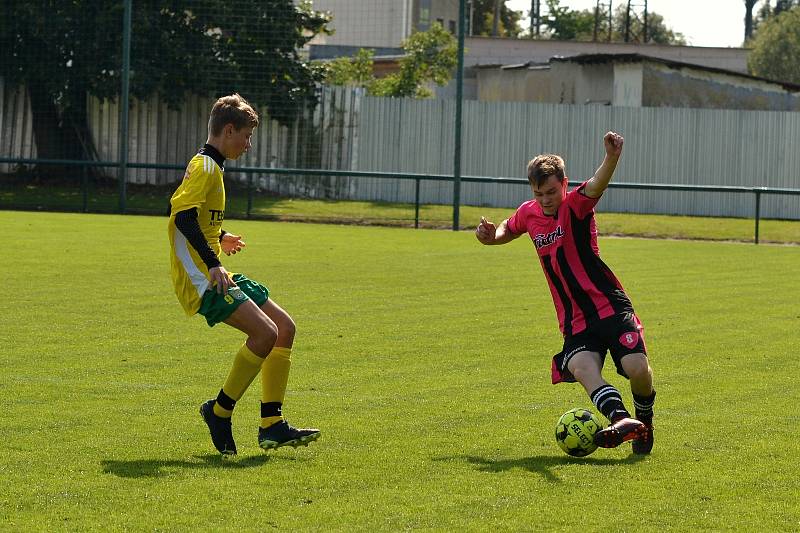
{"points": [[187, 224], [222, 233]]}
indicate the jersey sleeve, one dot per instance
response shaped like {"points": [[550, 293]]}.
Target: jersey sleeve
{"points": [[518, 223], [579, 203], [186, 222], [194, 188]]}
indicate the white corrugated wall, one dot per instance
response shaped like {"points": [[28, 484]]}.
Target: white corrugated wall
{"points": [[662, 145]]}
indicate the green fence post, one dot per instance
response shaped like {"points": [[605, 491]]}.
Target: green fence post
{"points": [[123, 103], [416, 204], [249, 193], [85, 187], [462, 20], [758, 211]]}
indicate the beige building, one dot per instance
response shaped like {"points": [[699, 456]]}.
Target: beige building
{"points": [[633, 80], [486, 53], [382, 24]]}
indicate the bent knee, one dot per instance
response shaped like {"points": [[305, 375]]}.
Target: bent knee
{"points": [[287, 327], [265, 336], [636, 366], [584, 369]]}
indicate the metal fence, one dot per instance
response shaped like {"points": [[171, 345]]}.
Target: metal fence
{"points": [[355, 147]]}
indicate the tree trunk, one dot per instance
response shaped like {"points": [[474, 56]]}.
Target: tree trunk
{"points": [[496, 19], [61, 133], [748, 18]]}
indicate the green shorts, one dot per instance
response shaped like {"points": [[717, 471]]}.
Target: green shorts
{"points": [[218, 307]]}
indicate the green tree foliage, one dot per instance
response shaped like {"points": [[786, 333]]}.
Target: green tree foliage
{"points": [[767, 11], [566, 24], [63, 50], [482, 12], [776, 48], [430, 56], [351, 71]]}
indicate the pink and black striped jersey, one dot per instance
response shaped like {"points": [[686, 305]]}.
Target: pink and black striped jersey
{"points": [[584, 289]]}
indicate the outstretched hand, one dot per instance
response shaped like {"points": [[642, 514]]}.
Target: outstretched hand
{"points": [[486, 231], [613, 143], [231, 243]]}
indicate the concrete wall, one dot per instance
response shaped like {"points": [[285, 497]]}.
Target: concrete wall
{"points": [[382, 23], [664, 86], [640, 83], [594, 84], [627, 85], [514, 85], [447, 11], [488, 51]]}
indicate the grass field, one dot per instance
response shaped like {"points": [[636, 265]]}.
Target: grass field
{"points": [[423, 357]]}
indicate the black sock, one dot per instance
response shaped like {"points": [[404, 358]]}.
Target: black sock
{"points": [[271, 409], [644, 406], [608, 401], [225, 401]]}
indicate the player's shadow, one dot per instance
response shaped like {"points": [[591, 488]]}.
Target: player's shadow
{"points": [[160, 468], [540, 464]]}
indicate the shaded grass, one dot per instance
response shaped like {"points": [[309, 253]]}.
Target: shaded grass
{"points": [[424, 358], [149, 200]]}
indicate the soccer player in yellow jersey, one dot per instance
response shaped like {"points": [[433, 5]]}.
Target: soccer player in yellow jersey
{"points": [[203, 286]]}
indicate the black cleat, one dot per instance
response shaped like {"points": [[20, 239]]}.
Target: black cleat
{"points": [[620, 431], [282, 434], [220, 429], [644, 445]]}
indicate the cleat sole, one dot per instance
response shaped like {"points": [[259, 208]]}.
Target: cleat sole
{"points": [[304, 441]]}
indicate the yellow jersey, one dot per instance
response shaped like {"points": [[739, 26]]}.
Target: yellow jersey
{"points": [[202, 188]]}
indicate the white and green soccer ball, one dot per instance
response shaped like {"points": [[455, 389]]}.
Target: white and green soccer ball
{"points": [[575, 432]]}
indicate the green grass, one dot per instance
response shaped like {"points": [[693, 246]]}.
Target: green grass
{"points": [[423, 357], [149, 200]]}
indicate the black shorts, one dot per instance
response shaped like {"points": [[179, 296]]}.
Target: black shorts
{"points": [[620, 334]]}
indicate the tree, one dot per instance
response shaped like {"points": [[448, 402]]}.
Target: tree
{"points": [[483, 19], [62, 51], [776, 48], [766, 11], [565, 24], [579, 25], [430, 56], [355, 70], [657, 29]]}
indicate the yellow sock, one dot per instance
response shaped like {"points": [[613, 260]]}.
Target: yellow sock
{"points": [[246, 366], [274, 377]]}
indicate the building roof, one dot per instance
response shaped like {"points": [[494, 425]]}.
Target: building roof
{"points": [[587, 59]]}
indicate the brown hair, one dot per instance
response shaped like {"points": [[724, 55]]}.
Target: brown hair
{"points": [[232, 109], [543, 166]]}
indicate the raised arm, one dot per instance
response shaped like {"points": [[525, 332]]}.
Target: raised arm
{"points": [[602, 176], [487, 233]]}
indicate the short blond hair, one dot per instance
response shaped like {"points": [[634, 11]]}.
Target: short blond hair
{"points": [[231, 109], [543, 166]]}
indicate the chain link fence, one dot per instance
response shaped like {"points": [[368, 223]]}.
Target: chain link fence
{"points": [[62, 76], [337, 85]]}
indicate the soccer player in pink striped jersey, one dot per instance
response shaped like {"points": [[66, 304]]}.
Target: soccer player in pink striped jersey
{"points": [[594, 313]]}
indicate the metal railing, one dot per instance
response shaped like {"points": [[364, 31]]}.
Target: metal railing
{"points": [[418, 178]]}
